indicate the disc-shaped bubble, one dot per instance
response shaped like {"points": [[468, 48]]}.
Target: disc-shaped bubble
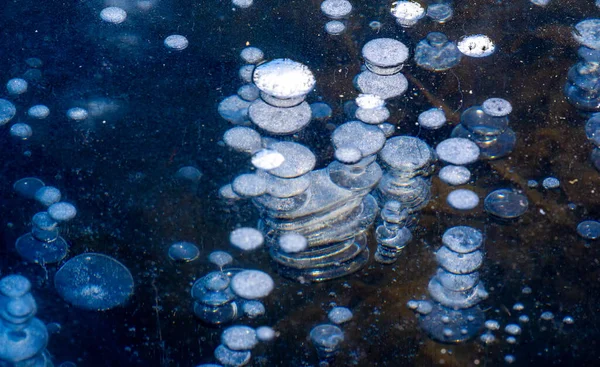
{"points": [[176, 42], [48, 195], [113, 14], [589, 229], [320, 110], [284, 78], [252, 55], [77, 113], [246, 238], [385, 86], [327, 336], [371, 139], [339, 315], [406, 153], [243, 139], [239, 337], [335, 27], [496, 107], [230, 357], [252, 284], [336, 9], [477, 45], [458, 151], [37, 112], [455, 175], [248, 92], [94, 282], [277, 120], [234, 109], [587, 33], [293, 242], [21, 131], [16, 86], [220, 258], [267, 159], [189, 173], [28, 186], [41, 252], [407, 13], [249, 185], [384, 53], [7, 111], [462, 199], [299, 160], [462, 239], [62, 211], [551, 183], [505, 203], [265, 333], [433, 118], [183, 251]]}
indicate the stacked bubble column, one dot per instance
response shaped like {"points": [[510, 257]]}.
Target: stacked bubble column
{"points": [[43, 244], [454, 315], [23, 338], [487, 127]]}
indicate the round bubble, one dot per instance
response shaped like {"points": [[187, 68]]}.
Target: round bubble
{"points": [[587, 33], [335, 27], [589, 229], [94, 282], [252, 55], [523, 319], [176, 42], [183, 251], [496, 107], [440, 12], [339, 315], [293, 242], [38, 111], [455, 175], [62, 211], [327, 336], [243, 3], [227, 356], [113, 14], [551, 183], [458, 151], [16, 86], [220, 258], [509, 358], [336, 9], [384, 53], [253, 309], [189, 173], [462, 199], [492, 325], [284, 78], [518, 306], [246, 238], [28, 186], [265, 333], [512, 329], [245, 72], [477, 45], [462, 239], [299, 160], [7, 111], [547, 316], [252, 284], [321, 111], [348, 155], [487, 338], [249, 185], [239, 338], [267, 159], [505, 203], [243, 139], [432, 119], [248, 92], [385, 86], [48, 195], [568, 320], [407, 13], [77, 113], [41, 252], [592, 129], [21, 131]]}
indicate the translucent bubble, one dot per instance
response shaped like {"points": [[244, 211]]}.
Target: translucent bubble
{"points": [[321, 111], [462, 239], [457, 151], [407, 13], [335, 27], [37, 112], [437, 53], [433, 118], [230, 357], [477, 45], [246, 238], [496, 107], [94, 282], [513, 329], [336, 9], [249, 185], [265, 333], [267, 159], [239, 338], [243, 4], [526, 290], [487, 338], [77, 113], [62, 211], [505, 203], [16, 86], [44, 221], [375, 25], [252, 284], [339, 315], [327, 337], [455, 175], [176, 42], [293, 242], [183, 251], [592, 129], [568, 320], [589, 229], [440, 12], [28, 186], [34, 62], [547, 316], [532, 184], [252, 55], [384, 56], [459, 263], [551, 183], [387, 129], [511, 340], [253, 309], [21, 131], [48, 195], [113, 15], [7, 111], [189, 173], [587, 33], [39, 251], [462, 199], [509, 358], [523, 319], [248, 92], [220, 258], [518, 307]]}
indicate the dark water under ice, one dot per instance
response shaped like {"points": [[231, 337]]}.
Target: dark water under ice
{"points": [[118, 170]]}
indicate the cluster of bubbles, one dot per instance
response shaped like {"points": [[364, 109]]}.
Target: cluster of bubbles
{"points": [[454, 316], [328, 338], [338, 12]]}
